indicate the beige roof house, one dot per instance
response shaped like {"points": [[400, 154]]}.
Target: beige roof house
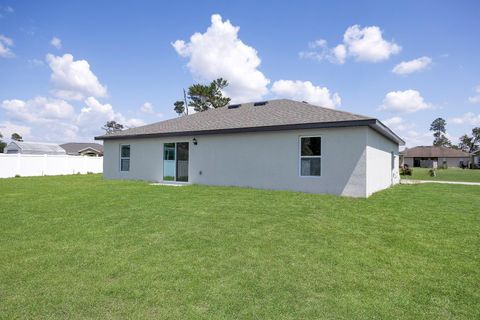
{"points": [[83, 149], [432, 156]]}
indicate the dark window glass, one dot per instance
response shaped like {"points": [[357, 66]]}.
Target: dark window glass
{"points": [[125, 164], [182, 161], [182, 151], [311, 166], [311, 146], [125, 151]]}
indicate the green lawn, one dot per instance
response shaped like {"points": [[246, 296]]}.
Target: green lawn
{"points": [[82, 247], [451, 174]]}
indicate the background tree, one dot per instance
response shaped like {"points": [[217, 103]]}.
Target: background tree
{"points": [[179, 107], [112, 126], [470, 144], [203, 97], [2, 143], [16, 137], [216, 98], [439, 128], [198, 95]]}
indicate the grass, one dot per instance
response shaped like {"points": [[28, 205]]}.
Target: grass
{"points": [[451, 174], [82, 247]]}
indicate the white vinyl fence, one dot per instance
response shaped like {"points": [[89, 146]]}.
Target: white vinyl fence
{"points": [[26, 165]]}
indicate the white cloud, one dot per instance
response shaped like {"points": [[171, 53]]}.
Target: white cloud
{"points": [[48, 119], [414, 138], [362, 44], [407, 67], [73, 78], [67, 94], [220, 53], [476, 98], [404, 101], [133, 122], [469, 118], [95, 115], [56, 120], [406, 130], [38, 110], [398, 124], [367, 44], [147, 108], [7, 128], [306, 91], [56, 42], [319, 51], [5, 47], [340, 53]]}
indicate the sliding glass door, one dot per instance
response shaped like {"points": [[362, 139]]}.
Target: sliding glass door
{"points": [[175, 161], [169, 161], [182, 161]]}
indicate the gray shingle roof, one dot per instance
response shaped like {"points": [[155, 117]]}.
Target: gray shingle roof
{"points": [[433, 152], [75, 147], [278, 114]]}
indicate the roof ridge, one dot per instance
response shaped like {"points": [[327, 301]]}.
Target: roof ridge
{"points": [[329, 109], [276, 113]]}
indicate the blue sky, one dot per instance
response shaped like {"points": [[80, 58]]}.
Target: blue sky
{"points": [[120, 60]]}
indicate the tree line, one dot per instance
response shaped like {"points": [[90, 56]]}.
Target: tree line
{"points": [[468, 142]]}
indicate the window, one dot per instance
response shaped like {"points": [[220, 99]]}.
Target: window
{"points": [[169, 151], [125, 158], [169, 161], [310, 156]]}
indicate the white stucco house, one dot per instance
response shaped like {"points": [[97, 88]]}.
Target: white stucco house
{"points": [[277, 144]]}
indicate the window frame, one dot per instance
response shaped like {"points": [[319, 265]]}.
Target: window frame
{"points": [[300, 157], [125, 158]]}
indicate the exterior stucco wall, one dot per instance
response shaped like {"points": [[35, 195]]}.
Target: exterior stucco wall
{"points": [[476, 160], [408, 162], [382, 165], [451, 162], [268, 160]]}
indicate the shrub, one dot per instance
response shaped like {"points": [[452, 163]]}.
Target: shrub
{"points": [[406, 171], [432, 173]]}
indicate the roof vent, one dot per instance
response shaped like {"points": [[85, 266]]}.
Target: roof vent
{"points": [[234, 106], [260, 103]]}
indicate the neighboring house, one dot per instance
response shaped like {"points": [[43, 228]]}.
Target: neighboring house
{"points": [[476, 159], [83, 149], [277, 144], [15, 147], [433, 157]]}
